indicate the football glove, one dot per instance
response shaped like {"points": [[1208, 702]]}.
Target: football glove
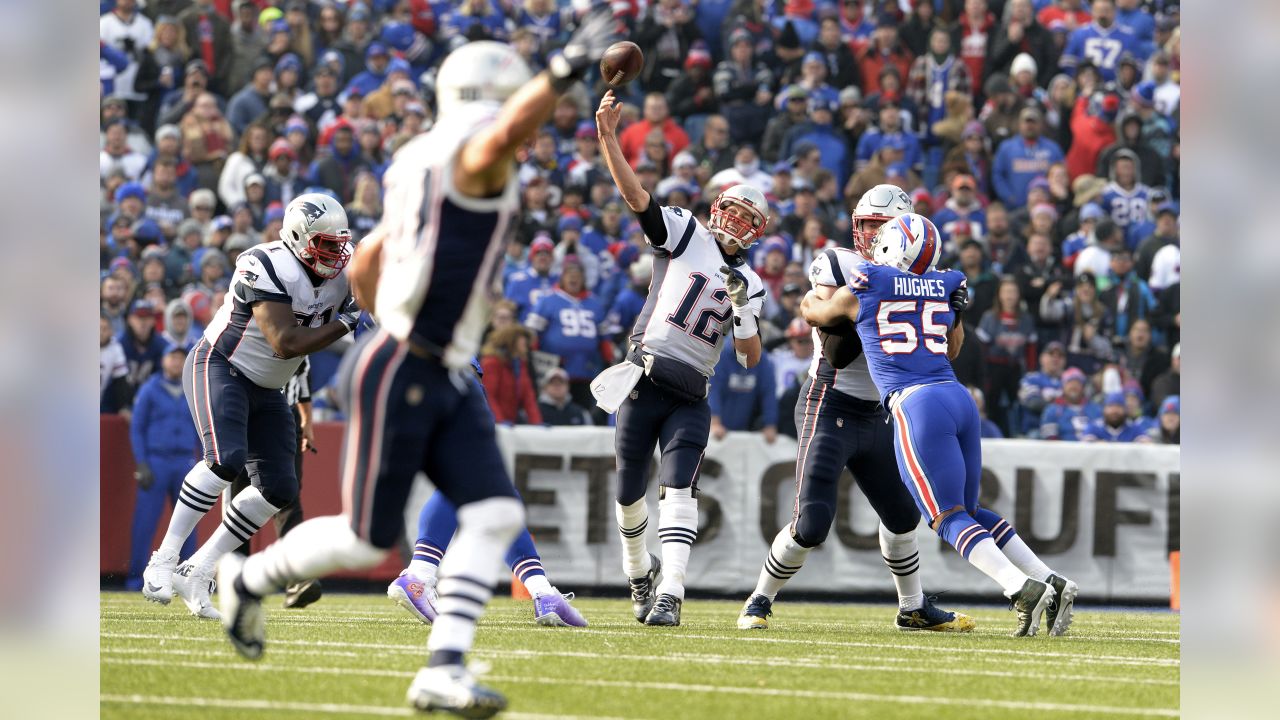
{"points": [[736, 284], [142, 473], [597, 31], [349, 315]]}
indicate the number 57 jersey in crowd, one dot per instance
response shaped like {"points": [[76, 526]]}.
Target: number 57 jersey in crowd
{"points": [[688, 313], [270, 272]]}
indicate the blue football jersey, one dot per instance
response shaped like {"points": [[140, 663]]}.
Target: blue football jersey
{"points": [[1127, 207], [903, 320], [1102, 47], [570, 327]]}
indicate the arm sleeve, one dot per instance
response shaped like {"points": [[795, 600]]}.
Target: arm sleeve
{"points": [[654, 223], [304, 380]]}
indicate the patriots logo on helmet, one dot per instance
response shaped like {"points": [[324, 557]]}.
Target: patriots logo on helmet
{"points": [[312, 211]]}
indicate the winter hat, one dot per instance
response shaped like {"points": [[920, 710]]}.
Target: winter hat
{"points": [[1023, 62]]}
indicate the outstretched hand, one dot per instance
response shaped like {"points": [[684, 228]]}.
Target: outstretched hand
{"points": [[608, 114]]}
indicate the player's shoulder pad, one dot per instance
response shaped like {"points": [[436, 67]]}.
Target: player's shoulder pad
{"points": [[859, 273]]}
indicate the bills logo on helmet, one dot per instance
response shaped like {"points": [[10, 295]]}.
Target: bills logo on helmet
{"points": [[312, 211]]}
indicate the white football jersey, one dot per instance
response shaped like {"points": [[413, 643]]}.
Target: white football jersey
{"points": [[270, 272], [831, 268], [441, 249], [687, 313]]}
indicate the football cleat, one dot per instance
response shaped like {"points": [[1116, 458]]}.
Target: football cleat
{"points": [[755, 614], [553, 609], [642, 589], [300, 595], [1058, 615], [194, 587], [452, 689], [157, 579], [417, 595], [666, 611], [932, 617], [241, 612], [1033, 599]]}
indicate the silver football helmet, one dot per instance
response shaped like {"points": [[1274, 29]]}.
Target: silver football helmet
{"points": [[876, 207], [480, 71], [316, 231]]}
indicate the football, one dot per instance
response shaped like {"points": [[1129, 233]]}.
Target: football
{"points": [[621, 63]]}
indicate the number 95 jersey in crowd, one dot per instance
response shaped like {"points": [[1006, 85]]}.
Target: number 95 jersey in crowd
{"points": [[687, 313], [270, 273], [903, 320]]}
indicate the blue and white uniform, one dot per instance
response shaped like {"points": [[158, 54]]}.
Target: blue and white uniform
{"points": [[233, 377], [411, 405], [1101, 46], [1128, 208]]}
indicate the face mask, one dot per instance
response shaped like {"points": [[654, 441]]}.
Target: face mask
{"points": [[747, 169]]}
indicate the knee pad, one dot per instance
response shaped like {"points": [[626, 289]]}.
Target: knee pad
{"points": [[810, 528], [499, 517], [228, 470], [280, 497]]}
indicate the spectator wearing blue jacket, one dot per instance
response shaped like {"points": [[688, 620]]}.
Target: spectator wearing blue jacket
{"points": [[250, 103], [890, 133], [743, 399], [570, 322], [1072, 413], [990, 430], [165, 443], [629, 301], [1102, 42], [376, 60], [1116, 426], [1038, 389], [143, 346], [526, 287], [1019, 160], [475, 20], [820, 133]]}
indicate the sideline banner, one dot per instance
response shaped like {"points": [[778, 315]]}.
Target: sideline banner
{"points": [[1106, 515]]}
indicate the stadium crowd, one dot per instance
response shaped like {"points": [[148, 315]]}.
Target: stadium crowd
{"points": [[1040, 136]]}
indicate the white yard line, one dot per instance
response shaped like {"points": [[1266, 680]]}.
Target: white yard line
{"points": [[1034, 655], [683, 687], [805, 663], [330, 708]]}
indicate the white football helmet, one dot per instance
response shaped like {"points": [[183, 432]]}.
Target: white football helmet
{"points": [[876, 207], [480, 71], [730, 229], [315, 229], [908, 242]]}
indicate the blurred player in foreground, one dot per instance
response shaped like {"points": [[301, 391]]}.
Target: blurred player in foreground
{"points": [[287, 299], [842, 424], [906, 313], [702, 289], [415, 588], [427, 274]]}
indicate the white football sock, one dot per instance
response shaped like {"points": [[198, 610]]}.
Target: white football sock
{"points": [[311, 550], [200, 490], [633, 520], [785, 558], [241, 520], [987, 557], [902, 554], [1026, 559], [470, 569], [678, 529], [422, 569], [538, 585]]}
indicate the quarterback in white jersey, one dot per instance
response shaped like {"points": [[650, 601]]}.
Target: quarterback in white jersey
{"points": [[702, 289], [287, 298], [841, 424]]}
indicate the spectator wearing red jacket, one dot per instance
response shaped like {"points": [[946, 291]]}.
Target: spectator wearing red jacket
{"points": [[884, 50], [656, 115], [508, 379], [1092, 131]]}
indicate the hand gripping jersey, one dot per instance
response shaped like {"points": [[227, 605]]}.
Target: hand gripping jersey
{"points": [[687, 314], [903, 321], [269, 272], [442, 250], [834, 268]]}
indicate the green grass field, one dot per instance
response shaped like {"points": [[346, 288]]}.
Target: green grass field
{"points": [[354, 655]]}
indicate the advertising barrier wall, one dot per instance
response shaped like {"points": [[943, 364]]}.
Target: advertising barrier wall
{"points": [[1105, 515]]}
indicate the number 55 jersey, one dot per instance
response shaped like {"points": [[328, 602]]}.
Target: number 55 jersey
{"points": [[688, 313], [270, 273], [903, 321]]}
